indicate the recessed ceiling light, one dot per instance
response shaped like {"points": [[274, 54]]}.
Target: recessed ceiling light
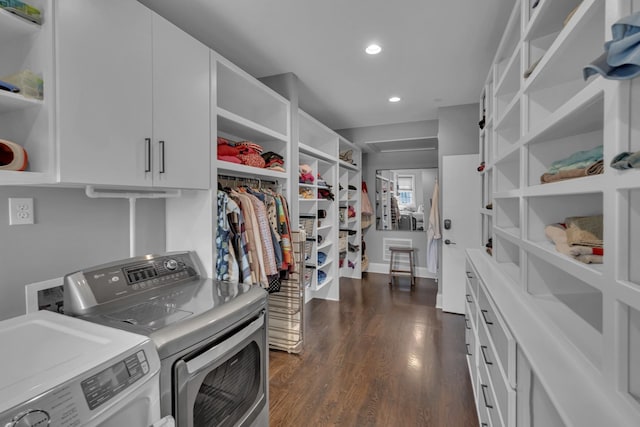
{"points": [[394, 99], [373, 49]]}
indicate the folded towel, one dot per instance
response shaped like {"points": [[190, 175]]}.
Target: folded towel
{"points": [[557, 233], [593, 169], [580, 159], [590, 259], [584, 230], [621, 57]]}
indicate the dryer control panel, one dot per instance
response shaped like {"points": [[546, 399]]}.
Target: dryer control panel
{"points": [[105, 283]]}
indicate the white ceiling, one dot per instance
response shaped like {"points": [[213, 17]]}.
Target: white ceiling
{"points": [[435, 52]]}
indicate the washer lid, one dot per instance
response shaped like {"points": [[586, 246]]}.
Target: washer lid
{"points": [[42, 350]]}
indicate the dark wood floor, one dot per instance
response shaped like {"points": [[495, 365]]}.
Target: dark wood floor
{"points": [[379, 357]]}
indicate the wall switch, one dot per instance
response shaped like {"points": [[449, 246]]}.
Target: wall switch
{"points": [[20, 211]]}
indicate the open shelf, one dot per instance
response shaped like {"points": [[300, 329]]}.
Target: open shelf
{"points": [[573, 305], [509, 86], [15, 101], [507, 254], [508, 130], [507, 216], [243, 95], [558, 77], [508, 45], [546, 210], [508, 172], [628, 265]]}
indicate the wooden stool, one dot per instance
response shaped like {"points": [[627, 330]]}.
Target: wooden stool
{"points": [[396, 272]]}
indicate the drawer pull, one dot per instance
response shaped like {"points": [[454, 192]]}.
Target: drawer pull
{"points": [[469, 300], [484, 312], [484, 425], [469, 275], [484, 396], [484, 356], [466, 323], [468, 352]]}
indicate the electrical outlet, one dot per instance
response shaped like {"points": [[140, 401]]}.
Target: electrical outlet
{"points": [[20, 211]]}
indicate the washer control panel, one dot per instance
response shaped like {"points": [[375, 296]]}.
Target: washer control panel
{"points": [[109, 282]]}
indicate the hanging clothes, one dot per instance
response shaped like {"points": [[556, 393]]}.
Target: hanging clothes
{"points": [[253, 237], [433, 231]]}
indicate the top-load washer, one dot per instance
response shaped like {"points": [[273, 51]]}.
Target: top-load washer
{"points": [[59, 371], [211, 336]]}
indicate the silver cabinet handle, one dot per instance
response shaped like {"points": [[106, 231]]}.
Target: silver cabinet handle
{"points": [[147, 155], [469, 275], [484, 356], [484, 312], [484, 396], [469, 300], [466, 322], [468, 351], [161, 156]]}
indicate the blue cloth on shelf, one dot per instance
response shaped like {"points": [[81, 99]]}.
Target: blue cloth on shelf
{"points": [[626, 160], [621, 59], [580, 159], [321, 277], [322, 257]]}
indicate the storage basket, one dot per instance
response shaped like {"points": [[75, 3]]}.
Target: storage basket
{"points": [[342, 241], [365, 221], [306, 223], [308, 275], [308, 248]]}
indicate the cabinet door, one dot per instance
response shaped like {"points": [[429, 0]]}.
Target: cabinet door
{"points": [[104, 91], [180, 108]]}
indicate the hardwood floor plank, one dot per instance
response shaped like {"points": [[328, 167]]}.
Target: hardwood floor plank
{"points": [[382, 356]]}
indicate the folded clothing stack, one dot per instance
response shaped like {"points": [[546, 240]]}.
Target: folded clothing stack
{"points": [[243, 152], [324, 189], [305, 175], [579, 237], [273, 161], [347, 156], [579, 164]]}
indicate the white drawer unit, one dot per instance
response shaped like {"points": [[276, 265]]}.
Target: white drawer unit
{"points": [[505, 394], [498, 333], [486, 399]]}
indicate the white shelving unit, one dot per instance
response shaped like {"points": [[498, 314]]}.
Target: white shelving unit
{"points": [[243, 109], [574, 350], [318, 148], [29, 121]]}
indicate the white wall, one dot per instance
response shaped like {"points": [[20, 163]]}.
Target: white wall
{"points": [[71, 232]]}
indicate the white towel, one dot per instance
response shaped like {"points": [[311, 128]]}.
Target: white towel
{"points": [[433, 231]]}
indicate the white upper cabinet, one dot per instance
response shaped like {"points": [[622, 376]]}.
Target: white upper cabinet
{"points": [[133, 106], [180, 108]]}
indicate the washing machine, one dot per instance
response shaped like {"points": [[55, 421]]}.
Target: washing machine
{"points": [[60, 371]]}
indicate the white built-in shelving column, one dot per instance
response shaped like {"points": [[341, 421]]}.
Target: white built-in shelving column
{"points": [[350, 234], [318, 148], [537, 109]]}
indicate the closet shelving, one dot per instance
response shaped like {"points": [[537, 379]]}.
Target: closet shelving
{"points": [[246, 110], [350, 200], [28, 121], [318, 148], [242, 109], [576, 326]]}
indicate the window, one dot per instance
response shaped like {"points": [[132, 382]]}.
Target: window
{"points": [[406, 196]]}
